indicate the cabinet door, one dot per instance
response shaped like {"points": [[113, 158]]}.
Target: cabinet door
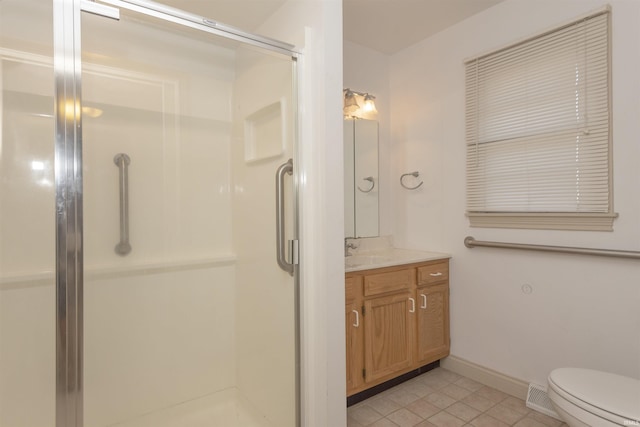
{"points": [[354, 333], [389, 335], [433, 323]]}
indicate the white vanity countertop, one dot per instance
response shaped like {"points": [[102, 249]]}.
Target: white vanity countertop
{"points": [[388, 257]]}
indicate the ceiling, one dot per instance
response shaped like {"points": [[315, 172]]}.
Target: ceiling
{"points": [[389, 26], [386, 26]]}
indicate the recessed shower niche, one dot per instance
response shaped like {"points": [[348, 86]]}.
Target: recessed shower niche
{"points": [[263, 132]]}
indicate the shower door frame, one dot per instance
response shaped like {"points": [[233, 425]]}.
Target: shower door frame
{"points": [[69, 192]]}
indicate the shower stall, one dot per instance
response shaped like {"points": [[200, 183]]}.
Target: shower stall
{"points": [[148, 219]]}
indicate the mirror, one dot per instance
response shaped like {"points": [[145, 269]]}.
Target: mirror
{"points": [[361, 185]]}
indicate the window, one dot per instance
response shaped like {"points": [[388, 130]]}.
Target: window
{"points": [[537, 131]]}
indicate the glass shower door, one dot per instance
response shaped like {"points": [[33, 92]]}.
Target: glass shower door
{"points": [[27, 200], [187, 318]]}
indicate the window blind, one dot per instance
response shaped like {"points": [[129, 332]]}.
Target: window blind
{"points": [[537, 125]]}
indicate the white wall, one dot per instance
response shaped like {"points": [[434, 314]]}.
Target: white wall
{"points": [[583, 311], [366, 70]]}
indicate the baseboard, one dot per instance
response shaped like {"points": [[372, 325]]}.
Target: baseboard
{"points": [[486, 376]]}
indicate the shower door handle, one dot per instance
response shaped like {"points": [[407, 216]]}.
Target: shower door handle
{"points": [[122, 162], [284, 169]]}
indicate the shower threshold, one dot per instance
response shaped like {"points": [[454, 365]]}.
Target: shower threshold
{"points": [[226, 408]]}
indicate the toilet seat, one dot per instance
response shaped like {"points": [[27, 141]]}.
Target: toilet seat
{"points": [[612, 397]]}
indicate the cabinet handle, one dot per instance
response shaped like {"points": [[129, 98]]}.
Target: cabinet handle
{"points": [[438, 274], [357, 324], [424, 301], [413, 305]]}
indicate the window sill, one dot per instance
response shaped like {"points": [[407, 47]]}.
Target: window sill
{"points": [[544, 221]]}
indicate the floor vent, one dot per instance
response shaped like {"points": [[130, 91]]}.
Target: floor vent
{"points": [[538, 400]]}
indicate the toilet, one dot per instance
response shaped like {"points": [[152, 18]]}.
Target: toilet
{"points": [[588, 398]]}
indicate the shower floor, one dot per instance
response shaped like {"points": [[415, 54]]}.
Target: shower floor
{"points": [[226, 408]]}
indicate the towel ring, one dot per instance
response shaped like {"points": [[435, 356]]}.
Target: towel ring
{"points": [[414, 174], [373, 184]]}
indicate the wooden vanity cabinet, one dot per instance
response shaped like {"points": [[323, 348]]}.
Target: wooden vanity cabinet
{"points": [[402, 321]]}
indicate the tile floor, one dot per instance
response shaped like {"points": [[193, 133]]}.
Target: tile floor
{"points": [[442, 398]]}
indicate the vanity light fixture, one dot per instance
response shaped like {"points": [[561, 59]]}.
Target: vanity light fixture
{"points": [[351, 108]]}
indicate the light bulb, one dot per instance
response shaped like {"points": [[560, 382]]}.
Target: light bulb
{"points": [[350, 103], [369, 105]]}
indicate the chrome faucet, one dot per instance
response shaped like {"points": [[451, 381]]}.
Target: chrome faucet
{"points": [[349, 245]]}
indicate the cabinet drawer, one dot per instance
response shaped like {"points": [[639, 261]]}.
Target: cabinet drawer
{"points": [[352, 288], [393, 281], [433, 273]]}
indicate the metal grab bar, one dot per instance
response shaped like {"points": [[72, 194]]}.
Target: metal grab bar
{"points": [[284, 169], [122, 161], [470, 242], [373, 184]]}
